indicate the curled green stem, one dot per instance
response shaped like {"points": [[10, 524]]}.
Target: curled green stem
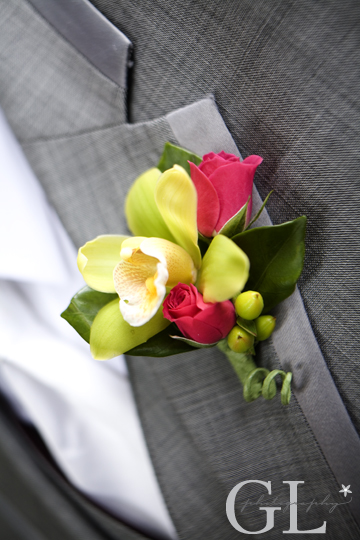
{"points": [[257, 381]]}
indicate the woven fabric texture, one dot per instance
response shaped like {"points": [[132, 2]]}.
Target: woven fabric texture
{"points": [[202, 436], [59, 80], [283, 75]]}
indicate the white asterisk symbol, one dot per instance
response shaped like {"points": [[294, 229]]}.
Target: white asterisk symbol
{"points": [[345, 490]]}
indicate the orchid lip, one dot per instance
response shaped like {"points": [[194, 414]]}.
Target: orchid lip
{"points": [[148, 267], [137, 313]]}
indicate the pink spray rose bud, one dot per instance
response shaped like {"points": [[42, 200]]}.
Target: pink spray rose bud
{"points": [[197, 320], [223, 184]]}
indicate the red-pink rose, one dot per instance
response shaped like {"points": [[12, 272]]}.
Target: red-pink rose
{"points": [[223, 184], [197, 320]]}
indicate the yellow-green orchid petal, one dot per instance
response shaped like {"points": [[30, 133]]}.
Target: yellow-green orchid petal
{"points": [[141, 210], [97, 260], [176, 198], [110, 335], [147, 268], [224, 271]]}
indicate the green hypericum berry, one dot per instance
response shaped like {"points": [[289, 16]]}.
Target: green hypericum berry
{"points": [[264, 327], [239, 340], [249, 305]]}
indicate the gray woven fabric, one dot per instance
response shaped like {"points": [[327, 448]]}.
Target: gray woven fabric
{"points": [[47, 89], [202, 436], [91, 34], [200, 126], [268, 64], [68, 94], [285, 76], [114, 156]]}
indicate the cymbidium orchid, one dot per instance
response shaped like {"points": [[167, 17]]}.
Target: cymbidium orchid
{"points": [[161, 210]]}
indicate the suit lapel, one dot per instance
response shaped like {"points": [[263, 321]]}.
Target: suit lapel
{"points": [[202, 437], [104, 46]]}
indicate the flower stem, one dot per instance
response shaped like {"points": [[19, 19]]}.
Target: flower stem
{"points": [[256, 381], [242, 363]]}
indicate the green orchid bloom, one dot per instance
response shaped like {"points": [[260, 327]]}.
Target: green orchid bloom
{"points": [[161, 212]]}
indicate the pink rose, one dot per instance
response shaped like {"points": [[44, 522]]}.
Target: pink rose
{"points": [[223, 184], [197, 320]]}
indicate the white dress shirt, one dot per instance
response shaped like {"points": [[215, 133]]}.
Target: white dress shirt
{"points": [[83, 409]]}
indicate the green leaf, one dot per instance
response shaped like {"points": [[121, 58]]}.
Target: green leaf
{"points": [[162, 344], [204, 239], [203, 245], [259, 212], [83, 308], [195, 344], [236, 223], [276, 256], [175, 155], [248, 326]]}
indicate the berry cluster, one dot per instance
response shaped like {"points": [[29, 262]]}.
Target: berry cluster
{"points": [[251, 326]]}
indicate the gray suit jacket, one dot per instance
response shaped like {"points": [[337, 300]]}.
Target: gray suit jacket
{"points": [[284, 79]]}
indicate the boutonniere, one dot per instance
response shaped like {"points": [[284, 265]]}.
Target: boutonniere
{"points": [[195, 273]]}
